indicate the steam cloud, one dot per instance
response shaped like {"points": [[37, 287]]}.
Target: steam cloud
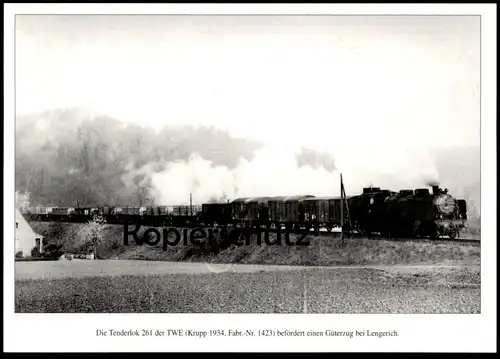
{"points": [[278, 171], [315, 159]]}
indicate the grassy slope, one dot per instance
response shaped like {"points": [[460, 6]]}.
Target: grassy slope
{"points": [[321, 251]]}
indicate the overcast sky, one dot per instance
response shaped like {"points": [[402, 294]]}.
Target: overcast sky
{"points": [[323, 81]]}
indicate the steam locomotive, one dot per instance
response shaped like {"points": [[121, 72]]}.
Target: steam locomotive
{"points": [[407, 213]]}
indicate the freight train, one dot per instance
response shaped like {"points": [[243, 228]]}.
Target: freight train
{"points": [[407, 213]]}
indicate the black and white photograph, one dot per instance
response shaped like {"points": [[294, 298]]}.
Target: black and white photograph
{"points": [[248, 163]]}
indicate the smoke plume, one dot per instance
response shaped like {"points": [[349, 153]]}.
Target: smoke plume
{"points": [[277, 171], [315, 159]]}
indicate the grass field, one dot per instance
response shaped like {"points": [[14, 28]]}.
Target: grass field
{"points": [[313, 290]]}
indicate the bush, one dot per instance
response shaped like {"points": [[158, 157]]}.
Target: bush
{"points": [[53, 250], [35, 252], [85, 248], [115, 244], [19, 254]]}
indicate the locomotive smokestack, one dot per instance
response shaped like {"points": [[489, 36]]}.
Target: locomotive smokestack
{"points": [[435, 189]]}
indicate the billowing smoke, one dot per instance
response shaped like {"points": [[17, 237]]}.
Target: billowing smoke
{"points": [[276, 171], [272, 172], [315, 159]]}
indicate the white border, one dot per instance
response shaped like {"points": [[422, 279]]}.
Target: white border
{"points": [[418, 333]]}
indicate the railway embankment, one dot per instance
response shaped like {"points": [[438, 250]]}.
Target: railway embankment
{"points": [[292, 249]]}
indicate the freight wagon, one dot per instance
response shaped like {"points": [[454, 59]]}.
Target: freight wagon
{"points": [[324, 212], [215, 214], [288, 211], [251, 211]]}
